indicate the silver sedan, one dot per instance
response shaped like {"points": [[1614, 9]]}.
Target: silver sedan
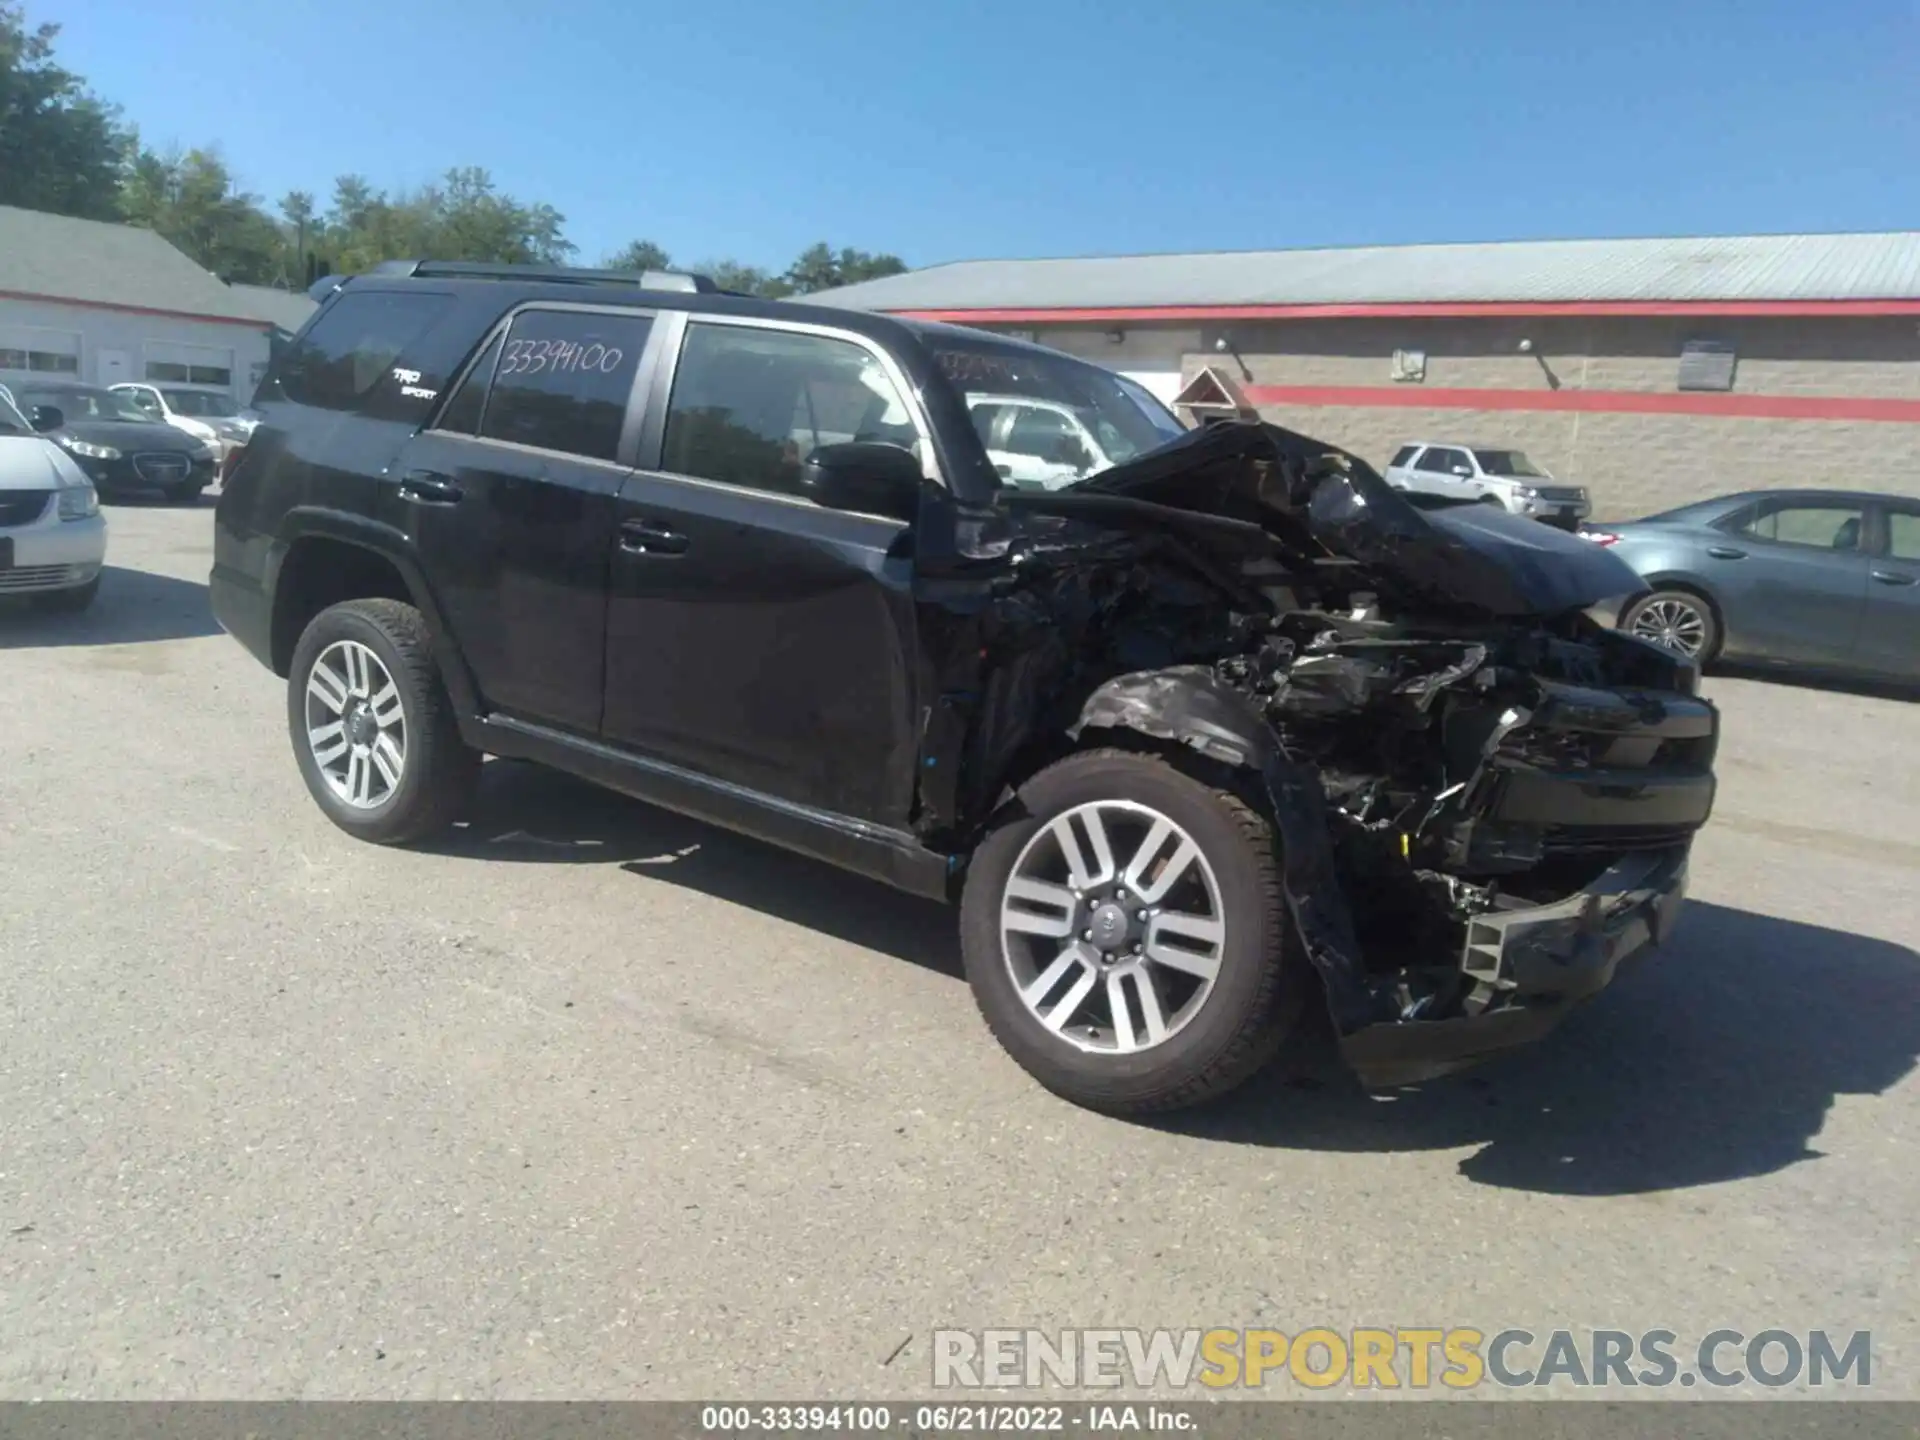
{"points": [[1815, 580]]}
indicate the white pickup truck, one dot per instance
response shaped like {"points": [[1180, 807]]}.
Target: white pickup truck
{"points": [[1489, 475]]}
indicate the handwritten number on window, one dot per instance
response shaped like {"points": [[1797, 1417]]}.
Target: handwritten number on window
{"points": [[564, 357]]}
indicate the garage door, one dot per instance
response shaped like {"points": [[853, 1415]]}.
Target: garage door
{"points": [[170, 363], [31, 350]]}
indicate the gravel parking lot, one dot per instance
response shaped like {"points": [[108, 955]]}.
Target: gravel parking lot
{"points": [[594, 1101]]}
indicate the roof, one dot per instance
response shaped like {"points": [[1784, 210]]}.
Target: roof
{"points": [[285, 309], [92, 262], [1735, 270]]}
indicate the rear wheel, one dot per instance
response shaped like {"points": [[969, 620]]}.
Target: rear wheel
{"points": [[372, 726], [1677, 620], [1125, 935]]}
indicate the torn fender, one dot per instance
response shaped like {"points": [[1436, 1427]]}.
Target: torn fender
{"points": [[1192, 706]]}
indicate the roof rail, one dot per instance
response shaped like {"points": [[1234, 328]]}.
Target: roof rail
{"points": [[547, 274]]}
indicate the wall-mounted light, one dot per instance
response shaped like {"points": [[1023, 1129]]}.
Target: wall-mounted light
{"points": [[1526, 347]]}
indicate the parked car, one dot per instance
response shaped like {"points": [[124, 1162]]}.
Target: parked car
{"points": [[1490, 476], [117, 444], [1815, 580], [53, 538], [209, 415], [1210, 732], [1043, 444]]}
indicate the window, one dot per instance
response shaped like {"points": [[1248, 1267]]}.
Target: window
{"points": [[1403, 455], [562, 380], [1903, 534], [352, 345], [145, 399], [1827, 526], [1045, 433], [44, 362], [201, 404], [462, 415], [83, 402], [1443, 462], [177, 372], [749, 405]]}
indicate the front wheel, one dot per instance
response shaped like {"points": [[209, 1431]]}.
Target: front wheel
{"points": [[1125, 935], [1677, 620], [372, 726]]}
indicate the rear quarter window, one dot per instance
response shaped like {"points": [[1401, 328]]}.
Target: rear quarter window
{"points": [[351, 357]]}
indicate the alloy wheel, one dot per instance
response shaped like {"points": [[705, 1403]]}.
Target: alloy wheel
{"points": [[356, 724], [1674, 623], [1112, 928]]}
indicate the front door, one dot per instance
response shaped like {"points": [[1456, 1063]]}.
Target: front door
{"points": [[1441, 471], [1890, 633], [509, 502], [1793, 581], [752, 635]]}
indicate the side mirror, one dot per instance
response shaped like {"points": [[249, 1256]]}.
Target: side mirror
{"points": [[866, 476], [46, 417]]}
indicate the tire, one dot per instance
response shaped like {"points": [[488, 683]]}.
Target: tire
{"points": [[1673, 614], [70, 602], [1209, 1047], [436, 772]]}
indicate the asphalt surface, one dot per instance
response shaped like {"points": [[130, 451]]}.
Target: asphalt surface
{"points": [[592, 1101]]}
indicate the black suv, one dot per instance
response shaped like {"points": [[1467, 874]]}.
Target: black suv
{"points": [[1202, 723]]}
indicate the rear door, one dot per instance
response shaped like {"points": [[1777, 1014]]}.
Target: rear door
{"points": [[1890, 632], [1793, 579], [752, 635], [1444, 471], [509, 501]]}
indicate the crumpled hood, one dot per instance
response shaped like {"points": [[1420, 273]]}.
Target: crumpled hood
{"points": [[1322, 501]]}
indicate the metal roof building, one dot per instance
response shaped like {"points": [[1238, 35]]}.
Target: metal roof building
{"points": [[1865, 271], [89, 300], [1651, 371]]}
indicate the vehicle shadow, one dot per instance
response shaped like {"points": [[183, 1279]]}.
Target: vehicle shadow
{"points": [[527, 814], [1716, 1059], [133, 606], [1799, 680]]}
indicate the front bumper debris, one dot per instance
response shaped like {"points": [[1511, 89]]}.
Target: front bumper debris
{"points": [[1529, 967]]}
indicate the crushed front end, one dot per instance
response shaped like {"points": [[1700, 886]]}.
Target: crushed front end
{"points": [[1507, 817], [1484, 797]]}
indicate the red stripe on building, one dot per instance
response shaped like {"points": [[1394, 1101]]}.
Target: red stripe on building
{"points": [[136, 310], [1445, 310], [1607, 402]]}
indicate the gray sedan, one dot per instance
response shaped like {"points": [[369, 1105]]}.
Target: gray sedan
{"points": [[1817, 580]]}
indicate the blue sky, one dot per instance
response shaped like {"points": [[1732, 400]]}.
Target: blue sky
{"points": [[750, 128]]}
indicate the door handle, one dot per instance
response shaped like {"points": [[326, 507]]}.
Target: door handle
{"points": [[428, 487], [1893, 577], [650, 537], [1726, 552]]}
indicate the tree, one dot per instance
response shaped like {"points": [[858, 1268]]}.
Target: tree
{"points": [[190, 200], [743, 279], [819, 268], [639, 255], [60, 146], [465, 217]]}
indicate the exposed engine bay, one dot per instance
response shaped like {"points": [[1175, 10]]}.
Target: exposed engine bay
{"points": [[1483, 795]]}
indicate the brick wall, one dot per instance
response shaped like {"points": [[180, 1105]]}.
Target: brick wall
{"points": [[1633, 463]]}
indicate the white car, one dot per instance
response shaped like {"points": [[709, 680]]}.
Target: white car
{"points": [[1036, 444], [53, 538], [1490, 475], [208, 415]]}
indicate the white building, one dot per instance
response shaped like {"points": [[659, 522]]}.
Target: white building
{"points": [[102, 303]]}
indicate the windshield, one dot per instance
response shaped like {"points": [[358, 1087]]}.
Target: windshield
{"points": [[203, 404], [1508, 462], [1048, 421], [12, 422], [86, 404]]}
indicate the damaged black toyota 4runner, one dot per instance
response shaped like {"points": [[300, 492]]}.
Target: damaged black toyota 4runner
{"points": [[1195, 725]]}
